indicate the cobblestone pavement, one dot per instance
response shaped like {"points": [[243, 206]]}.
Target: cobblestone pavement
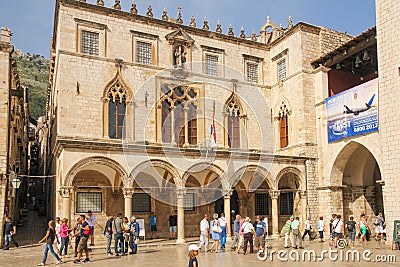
{"points": [[165, 253]]}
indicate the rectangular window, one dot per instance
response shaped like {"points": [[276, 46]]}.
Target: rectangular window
{"points": [[188, 202], [143, 52], [283, 131], [141, 202], [261, 205], [88, 201], [286, 203], [212, 65], [90, 43], [252, 72], [281, 69]]}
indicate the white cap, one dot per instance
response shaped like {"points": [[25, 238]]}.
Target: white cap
{"points": [[193, 247]]}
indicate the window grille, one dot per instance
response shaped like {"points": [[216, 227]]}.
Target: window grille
{"points": [[286, 203], [88, 201], [90, 43], [212, 65], [281, 70], [261, 205], [188, 202], [141, 202], [143, 53], [252, 72]]}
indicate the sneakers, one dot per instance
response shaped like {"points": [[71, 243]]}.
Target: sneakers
{"points": [[77, 261], [41, 264], [58, 262], [86, 260]]}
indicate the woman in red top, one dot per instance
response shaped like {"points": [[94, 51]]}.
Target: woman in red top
{"points": [[64, 230]]}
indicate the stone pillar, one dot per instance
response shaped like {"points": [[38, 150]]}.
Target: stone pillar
{"points": [[275, 214], [303, 208], [128, 193], [172, 115], [227, 211], [66, 192], [180, 196], [185, 110]]}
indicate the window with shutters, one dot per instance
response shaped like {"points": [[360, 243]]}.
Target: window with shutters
{"points": [[281, 65], [261, 204], [283, 126]]}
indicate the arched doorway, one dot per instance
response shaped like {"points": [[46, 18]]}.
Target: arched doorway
{"points": [[361, 176]]}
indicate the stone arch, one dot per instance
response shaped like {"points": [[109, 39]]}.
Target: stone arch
{"points": [[153, 163], [283, 101], [341, 159], [236, 177], [233, 105], [298, 174], [207, 166], [91, 161]]}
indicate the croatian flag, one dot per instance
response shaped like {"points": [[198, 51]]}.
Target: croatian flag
{"points": [[213, 134]]}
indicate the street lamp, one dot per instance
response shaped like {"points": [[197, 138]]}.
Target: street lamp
{"points": [[16, 183]]}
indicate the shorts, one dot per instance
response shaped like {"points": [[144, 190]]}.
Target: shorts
{"points": [[352, 236], [259, 241], [153, 228], [172, 229], [337, 235], [82, 246], [92, 231], [379, 229], [363, 230]]}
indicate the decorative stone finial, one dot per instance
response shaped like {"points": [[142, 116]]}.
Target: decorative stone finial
{"points": [[164, 16], [254, 36], [133, 8], [117, 5], [290, 22], [242, 35], [205, 24], [149, 12], [179, 19], [192, 21], [230, 32], [268, 19], [219, 29], [100, 2]]}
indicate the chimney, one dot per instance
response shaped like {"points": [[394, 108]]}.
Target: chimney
{"points": [[5, 35]]}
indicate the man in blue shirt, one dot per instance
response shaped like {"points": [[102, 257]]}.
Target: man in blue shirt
{"points": [[82, 246], [236, 229], [261, 229], [153, 225], [134, 235]]}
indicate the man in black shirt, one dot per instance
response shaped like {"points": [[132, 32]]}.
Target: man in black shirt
{"points": [[172, 221], [9, 231]]}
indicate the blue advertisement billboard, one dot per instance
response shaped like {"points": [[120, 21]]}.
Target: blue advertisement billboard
{"points": [[353, 112]]}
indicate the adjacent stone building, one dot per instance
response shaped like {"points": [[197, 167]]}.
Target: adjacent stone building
{"points": [[14, 138], [132, 99]]}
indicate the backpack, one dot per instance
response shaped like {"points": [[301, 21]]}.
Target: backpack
{"points": [[88, 231], [350, 227]]}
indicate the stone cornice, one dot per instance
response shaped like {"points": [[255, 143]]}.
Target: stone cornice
{"points": [[107, 11], [64, 142]]}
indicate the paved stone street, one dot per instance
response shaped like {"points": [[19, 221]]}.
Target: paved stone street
{"points": [[165, 253]]}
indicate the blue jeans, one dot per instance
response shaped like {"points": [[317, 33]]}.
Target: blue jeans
{"points": [[109, 237], [64, 246], [133, 245], [119, 237], [222, 239], [46, 251], [7, 240]]}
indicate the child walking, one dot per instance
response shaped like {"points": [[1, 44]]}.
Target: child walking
{"points": [[193, 252]]}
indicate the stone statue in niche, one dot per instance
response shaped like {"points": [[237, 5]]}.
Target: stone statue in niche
{"points": [[180, 56]]}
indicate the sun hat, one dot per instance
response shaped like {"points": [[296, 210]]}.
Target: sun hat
{"points": [[193, 247]]}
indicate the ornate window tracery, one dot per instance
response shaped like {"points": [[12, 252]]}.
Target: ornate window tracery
{"points": [[234, 112]]}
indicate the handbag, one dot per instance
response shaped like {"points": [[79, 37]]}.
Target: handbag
{"points": [[216, 229]]}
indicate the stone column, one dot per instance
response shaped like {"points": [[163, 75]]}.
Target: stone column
{"points": [[172, 115], [227, 211], [180, 196], [66, 192], [303, 208], [128, 193], [275, 214], [185, 110]]}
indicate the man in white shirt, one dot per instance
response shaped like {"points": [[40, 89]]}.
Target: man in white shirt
{"points": [[204, 232], [222, 222], [91, 221], [338, 227]]}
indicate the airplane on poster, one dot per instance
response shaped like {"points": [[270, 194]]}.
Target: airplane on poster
{"points": [[358, 110]]}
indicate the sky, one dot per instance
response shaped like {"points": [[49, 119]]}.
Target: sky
{"points": [[31, 21]]}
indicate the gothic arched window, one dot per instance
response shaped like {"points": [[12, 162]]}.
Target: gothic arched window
{"points": [[116, 115], [179, 115], [233, 111]]}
